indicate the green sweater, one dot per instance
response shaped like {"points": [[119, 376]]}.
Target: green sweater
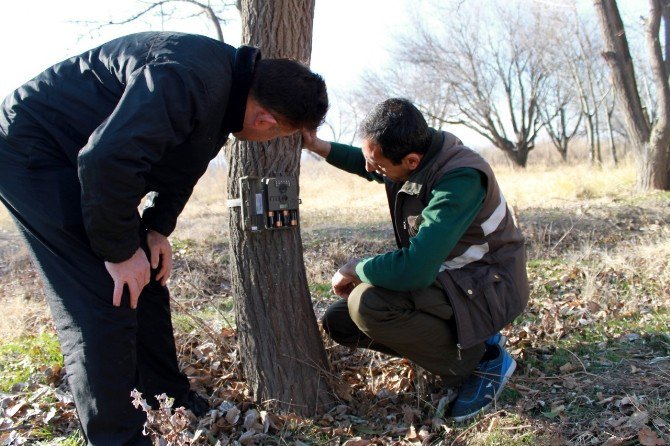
{"points": [[454, 203]]}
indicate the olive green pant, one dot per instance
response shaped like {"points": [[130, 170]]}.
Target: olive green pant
{"points": [[417, 325]]}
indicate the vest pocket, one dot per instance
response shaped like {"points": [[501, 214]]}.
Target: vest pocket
{"points": [[492, 282], [473, 304]]}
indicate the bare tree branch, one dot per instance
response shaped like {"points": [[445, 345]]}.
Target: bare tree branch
{"points": [[213, 14]]}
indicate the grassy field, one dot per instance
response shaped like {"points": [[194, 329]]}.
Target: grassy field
{"points": [[593, 346]]}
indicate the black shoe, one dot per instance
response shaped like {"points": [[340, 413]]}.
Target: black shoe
{"points": [[195, 403]]}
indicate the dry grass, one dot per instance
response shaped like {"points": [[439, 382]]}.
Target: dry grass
{"points": [[21, 295], [564, 186], [332, 198], [6, 223]]}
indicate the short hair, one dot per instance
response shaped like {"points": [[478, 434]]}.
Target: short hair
{"points": [[398, 127], [291, 90]]}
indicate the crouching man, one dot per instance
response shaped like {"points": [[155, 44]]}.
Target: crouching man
{"points": [[459, 273]]}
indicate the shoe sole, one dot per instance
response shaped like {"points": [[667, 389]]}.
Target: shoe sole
{"points": [[509, 373]]}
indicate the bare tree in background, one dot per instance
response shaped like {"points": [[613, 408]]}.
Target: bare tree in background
{"points": [[650, 138], [344, 116], [560, 107], [610, 109], [282, 351], [486, 71], [587, 74], [560, 118], [426, 89], [214, 11]]}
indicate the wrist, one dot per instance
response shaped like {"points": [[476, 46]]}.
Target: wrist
{"points": [[349, 269], [320, 147]]}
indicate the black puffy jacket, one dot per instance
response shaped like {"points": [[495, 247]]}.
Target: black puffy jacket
{"points": [[145, 112]]}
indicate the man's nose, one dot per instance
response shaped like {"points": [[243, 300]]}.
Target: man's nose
{"points": [[369, 167]]}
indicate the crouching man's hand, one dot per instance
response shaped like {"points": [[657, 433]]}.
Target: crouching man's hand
{"points": [[314, 144], [161, 254], [345, 279], [133, 272]]}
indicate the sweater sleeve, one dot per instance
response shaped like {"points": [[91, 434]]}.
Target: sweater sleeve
{"points": [[454, 203], [160, 107], [350, 159]]}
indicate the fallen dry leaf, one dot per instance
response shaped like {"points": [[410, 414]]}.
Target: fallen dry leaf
{"points": [[647, 437]]}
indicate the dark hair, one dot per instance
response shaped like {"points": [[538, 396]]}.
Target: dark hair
{"points": [[398, 127], [291, 90]]}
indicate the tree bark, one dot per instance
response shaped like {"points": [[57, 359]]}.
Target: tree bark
{"points": [[650, 144], [666, 28], [659, 139], [610, 132], [517, 154], [282, 353]]}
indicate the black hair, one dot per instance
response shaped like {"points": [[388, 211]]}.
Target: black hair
{"points": [[291, 90], [398, 127]]}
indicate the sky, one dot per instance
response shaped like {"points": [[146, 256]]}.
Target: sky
{"points": [[39, 33], [349, 35]]}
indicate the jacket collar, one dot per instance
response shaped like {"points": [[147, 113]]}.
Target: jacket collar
{"points": [[415, 182], [243, 70]]}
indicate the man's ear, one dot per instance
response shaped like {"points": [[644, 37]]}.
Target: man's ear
{"points": [[411, 160], [263, 119]]}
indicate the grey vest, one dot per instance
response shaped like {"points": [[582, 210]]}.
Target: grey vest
{"points": [[484, 276]]}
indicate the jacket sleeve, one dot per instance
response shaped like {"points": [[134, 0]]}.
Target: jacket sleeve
{"points": [[454, 203], [157, 111]]}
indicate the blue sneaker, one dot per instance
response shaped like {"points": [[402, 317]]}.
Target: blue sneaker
{"points": [[484, 386], [497, 339]]}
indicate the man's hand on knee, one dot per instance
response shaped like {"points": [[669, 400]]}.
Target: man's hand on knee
{"points": [[133, 272], [161, 254]]}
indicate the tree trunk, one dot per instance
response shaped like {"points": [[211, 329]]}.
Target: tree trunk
{"points": [[659, 139], [596, 134], [610, 132], [650, 145], [563, 149], [666, 29], [281, 349], [590, 137], [518, 155]]}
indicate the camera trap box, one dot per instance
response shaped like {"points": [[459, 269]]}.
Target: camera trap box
{"points": [[269, 203]]}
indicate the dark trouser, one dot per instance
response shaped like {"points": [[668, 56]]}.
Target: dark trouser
{"points": [[108, 350], [417, 325]]}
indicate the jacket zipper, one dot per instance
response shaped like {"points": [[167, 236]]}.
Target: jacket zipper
{"points": [[395, 217]]}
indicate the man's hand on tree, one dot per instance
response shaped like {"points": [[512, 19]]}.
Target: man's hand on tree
{"points": [[134, 273], [161, 254], [345, 279]]}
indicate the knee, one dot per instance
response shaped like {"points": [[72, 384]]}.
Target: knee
{"points": [[366, 305], [336, 322], [329, 321]]}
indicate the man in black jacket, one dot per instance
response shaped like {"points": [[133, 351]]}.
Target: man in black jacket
{"points": [[80, 145]]}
